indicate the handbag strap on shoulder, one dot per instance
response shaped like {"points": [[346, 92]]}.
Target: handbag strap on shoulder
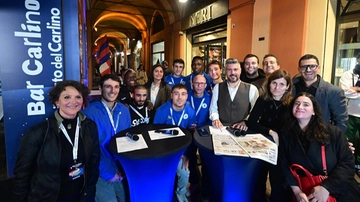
{"points": [[323, 159]]}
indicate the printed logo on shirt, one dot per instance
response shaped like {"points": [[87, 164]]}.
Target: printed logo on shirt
{"points": [[169, 117], [139, 121], [186, 116], [204, 105]]}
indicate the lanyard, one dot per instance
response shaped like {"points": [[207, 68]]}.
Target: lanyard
{"points": [[138, 113], [111, 118], [172, 80], [193, 105], [192, 88], [181, 117], [76, 140]]}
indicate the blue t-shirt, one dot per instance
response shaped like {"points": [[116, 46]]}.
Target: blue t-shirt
{"points": [[165, 114], [172, 80], [201, 107]]}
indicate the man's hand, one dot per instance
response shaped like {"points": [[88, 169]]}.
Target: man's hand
{"points": [[150, 105], [352, 148], [240, 125], [217, 123], [117, 177]]}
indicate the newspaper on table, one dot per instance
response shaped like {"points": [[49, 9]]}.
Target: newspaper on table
{"points": [[252, 145]]}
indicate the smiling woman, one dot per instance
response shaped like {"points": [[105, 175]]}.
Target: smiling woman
{"points": [[70, 155]]}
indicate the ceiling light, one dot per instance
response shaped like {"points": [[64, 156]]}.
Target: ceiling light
{"points": [[182, 1]]}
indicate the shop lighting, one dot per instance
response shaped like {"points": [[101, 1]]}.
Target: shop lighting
{"points": [[182, 1]]}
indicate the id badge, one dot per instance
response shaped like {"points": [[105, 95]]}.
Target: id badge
{"points": [[76, 170]]}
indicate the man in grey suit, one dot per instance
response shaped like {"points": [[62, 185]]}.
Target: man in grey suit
{"points": [[330, 97]]}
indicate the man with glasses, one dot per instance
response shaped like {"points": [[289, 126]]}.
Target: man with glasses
{"points": [[232, 101], [176, 77], [330, 97], [197, 66], [199, 99], [178, 113]]}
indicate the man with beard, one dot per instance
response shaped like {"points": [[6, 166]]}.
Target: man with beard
{"points": [[139, 111], [330, 97], [126, 89], [350, 83], [232, 100], [110, 117], [178, 113], [252, 73], [197, 66]]}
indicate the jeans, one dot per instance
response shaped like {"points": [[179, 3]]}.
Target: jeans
{"points": [[110, 191], [182, 179]]}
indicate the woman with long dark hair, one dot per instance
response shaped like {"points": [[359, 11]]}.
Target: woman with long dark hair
{"points": [[265, 118], [302, 134], [158, 92]]}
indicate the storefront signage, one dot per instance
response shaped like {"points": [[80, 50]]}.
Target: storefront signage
{"points": [[210, 13], [201, 16]]}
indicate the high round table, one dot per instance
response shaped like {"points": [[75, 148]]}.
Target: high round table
{"points": [[151, 172], [232, 178]]}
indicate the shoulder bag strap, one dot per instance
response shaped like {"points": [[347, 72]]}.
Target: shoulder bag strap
{"points": [[323, 158]]}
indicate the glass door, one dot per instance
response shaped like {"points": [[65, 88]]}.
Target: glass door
{"points": [[348, 48]]}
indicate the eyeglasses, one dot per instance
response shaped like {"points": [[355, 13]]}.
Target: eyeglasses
{"points": [[305, 67], [199, 83]]}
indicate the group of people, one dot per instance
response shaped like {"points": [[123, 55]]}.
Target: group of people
{"points": [[65, 157]]}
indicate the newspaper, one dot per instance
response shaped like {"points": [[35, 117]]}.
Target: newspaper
{"points": [[252, 145]]}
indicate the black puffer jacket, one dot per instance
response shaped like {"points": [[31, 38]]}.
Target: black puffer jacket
{"points": [[37, 170]]}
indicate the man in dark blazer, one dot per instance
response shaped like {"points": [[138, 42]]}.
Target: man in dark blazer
{"points": [[330, 97]]}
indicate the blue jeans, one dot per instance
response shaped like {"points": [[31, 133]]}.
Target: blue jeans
{"points": [[182, 179], [110, 191]]}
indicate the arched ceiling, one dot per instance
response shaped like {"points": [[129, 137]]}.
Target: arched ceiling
{"points": [[122, 19]]}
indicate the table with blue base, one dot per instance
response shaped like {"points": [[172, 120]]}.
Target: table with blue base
{"points": [[151, 172], [232, 178]]}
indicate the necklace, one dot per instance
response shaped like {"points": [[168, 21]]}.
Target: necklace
{"points": [[276, 106]]}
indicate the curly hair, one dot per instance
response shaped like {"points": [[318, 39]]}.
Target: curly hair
{"points": [[267, 95], [316, 129], [55, 92]]}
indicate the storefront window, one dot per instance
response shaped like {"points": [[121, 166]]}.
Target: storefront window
{"points": [[211, 45], [210, 52], [348, 48], [158, 52]]}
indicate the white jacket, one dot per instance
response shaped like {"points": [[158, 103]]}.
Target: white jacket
{"points": [[347, 80]]}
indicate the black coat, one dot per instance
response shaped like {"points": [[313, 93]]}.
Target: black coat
{"points": [[339, 161], [37, 170]]}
